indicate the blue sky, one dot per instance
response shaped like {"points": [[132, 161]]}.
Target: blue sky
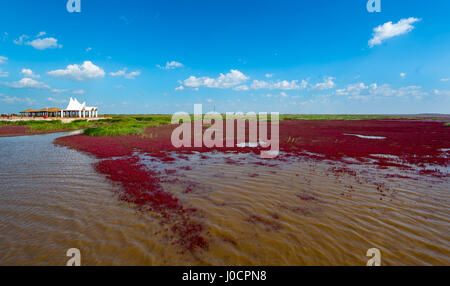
{"points": [[311, 56]]}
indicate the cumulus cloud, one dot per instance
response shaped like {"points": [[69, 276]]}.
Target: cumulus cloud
{"points": [[3, 59], [402, 74], [86, 71], [29, 73], [180, 88], [328, 83], [28, 83], [445, 79], [389, 30], [281, 85], [365, 92], [171, 65], [46, 43], [231, 79], [131, 75]]}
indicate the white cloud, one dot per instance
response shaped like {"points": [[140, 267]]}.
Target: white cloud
{"points": [[87, 71], [389, 30], [402, 74], [281, 85], [289, 85], [29, 73], [43, 44], [79, 92], [180, 88], [328, 83], [19, 41], [259, 84], [210, 100], [445, 79], [365, 92], [40, 34], [28, 83], [131, 75], [280, 95], [171, 65], [88, 49], [241, 87], [3, 73], [59, 90], [15, 100], [3, 59], [9, 99], [269, 75], [231, 79]]}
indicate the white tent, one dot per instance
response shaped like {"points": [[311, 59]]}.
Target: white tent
{"points": [[76, 109]]}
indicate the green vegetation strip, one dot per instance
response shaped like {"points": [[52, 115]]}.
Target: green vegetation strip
{"points": [[127, 125], [51, 125]]}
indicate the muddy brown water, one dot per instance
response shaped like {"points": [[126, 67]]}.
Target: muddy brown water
{"points": [[296, 212]]}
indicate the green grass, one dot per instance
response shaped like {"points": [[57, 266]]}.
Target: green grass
{"points": [[53, 125], [127, 125], [447, 124]]}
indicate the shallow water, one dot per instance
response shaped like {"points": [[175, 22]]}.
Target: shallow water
{"points": [[295, 212]]}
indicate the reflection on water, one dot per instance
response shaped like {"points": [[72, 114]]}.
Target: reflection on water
{"points": [[291, 213]]}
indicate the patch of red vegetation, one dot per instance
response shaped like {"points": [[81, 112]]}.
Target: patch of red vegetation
{"points": [[11, 130], [142, 187], [304, 197], [413, 142], [101, 147], [434, 173]]}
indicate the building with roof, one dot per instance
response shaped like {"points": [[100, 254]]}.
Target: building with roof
{"points": [[74, 109]]}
